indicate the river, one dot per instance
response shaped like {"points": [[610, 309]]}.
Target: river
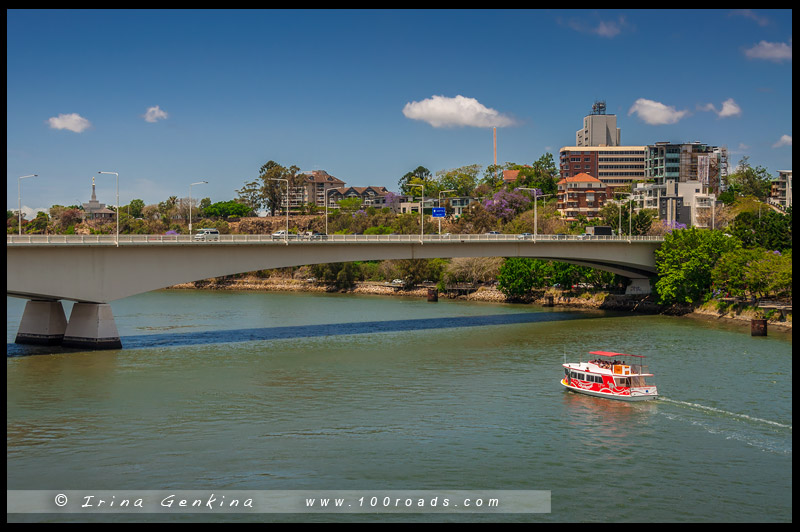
{"points": [[218, 390]]}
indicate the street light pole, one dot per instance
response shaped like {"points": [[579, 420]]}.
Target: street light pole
{"points": [[190, 202], [117, 213], [286, 234], [327, 200], [536, 197], [19, 198]]}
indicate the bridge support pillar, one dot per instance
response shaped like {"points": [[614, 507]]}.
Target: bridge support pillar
{"points": [[43, 323], [92, 326], [638, 286]]}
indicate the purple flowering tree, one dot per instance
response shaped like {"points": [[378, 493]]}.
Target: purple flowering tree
{"points": [[507, 204]]}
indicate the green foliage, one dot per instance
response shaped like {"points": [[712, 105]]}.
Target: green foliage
{"points": [[413, 271], [350, 205], [766, 229], [378, 230], [685, 260], [226, 209], [136, 208], [420, 176], [459, 181], [749, 181], [519, 276], [542, 174], [343, 275], [753, 272], [516, 277]]}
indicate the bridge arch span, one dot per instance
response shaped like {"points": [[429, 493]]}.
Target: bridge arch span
{"points": [[101, 274], [94, 274]]}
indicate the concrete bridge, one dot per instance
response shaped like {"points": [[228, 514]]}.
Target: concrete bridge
{"points": [[93, 270]]}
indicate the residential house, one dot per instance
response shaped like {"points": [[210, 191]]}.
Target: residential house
{"points": [[582, 195]]}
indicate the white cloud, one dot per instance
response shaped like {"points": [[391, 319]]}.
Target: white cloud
{"points": [[603, 28], [73, 122], [441, 111], [752, 15], [656, 113], [609, 28], [154, 114], [785, 140], [729, 108], [771, 51]]}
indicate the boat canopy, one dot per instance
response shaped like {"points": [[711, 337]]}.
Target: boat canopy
{"points": [[612, 354]]}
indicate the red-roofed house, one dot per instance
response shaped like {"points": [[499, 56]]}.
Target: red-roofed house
{"points": [[582, 194]]}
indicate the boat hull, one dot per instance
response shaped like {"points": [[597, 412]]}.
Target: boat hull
{"points": [[610, 395]]}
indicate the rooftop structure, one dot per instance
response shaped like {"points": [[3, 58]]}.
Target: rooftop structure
{"points": [[599, 128], [94, 210]]}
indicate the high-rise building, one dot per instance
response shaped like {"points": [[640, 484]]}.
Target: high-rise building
{"points": [[599, 153], [690, 161], [599, 128], [616, 166], [781, 190]]}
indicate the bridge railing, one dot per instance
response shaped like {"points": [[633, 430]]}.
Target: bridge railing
{"points": [[133, 239]]}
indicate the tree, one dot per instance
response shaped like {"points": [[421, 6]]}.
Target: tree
{"points": [[136, 208], [685, 260], [461, 181], [474, 269], [515, 278], [492, 178], [753, 272], [341, 274], [505, 204], [419, 176], [226, 209], [250, 194], [268, 190], [542, 174], [350, 205], [64, 217], [766, 228], [38, 224], [749, 181]]}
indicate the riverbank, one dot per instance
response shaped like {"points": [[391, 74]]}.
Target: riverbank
{"points": [[549, 297]]}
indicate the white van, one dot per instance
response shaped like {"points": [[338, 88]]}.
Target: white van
{"points": [[206, 235]]}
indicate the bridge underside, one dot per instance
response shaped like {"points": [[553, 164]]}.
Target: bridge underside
{"points": [[92, 276]]}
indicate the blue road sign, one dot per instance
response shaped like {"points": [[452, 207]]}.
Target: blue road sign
{"points": [[438, 212]]}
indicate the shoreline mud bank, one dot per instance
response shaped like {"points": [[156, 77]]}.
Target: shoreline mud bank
{"points": [[565, 299]]}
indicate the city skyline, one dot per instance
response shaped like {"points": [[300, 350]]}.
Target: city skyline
{"points": [[168, 98]]}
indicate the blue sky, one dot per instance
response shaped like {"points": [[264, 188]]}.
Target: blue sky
{"points": [[169, 98]]}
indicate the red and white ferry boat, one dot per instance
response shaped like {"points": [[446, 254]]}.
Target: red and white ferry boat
{"points": [[611, 375]]}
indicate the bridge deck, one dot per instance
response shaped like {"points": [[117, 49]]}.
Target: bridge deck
{"points": [[324, 239]]}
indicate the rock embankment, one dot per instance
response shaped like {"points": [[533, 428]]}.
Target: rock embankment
{"points": [[550, 297]]}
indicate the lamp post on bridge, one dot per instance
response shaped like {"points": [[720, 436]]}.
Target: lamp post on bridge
{"points": [[190, 202], [327, 200], [536, 196], [117, 212], [19, 197]]}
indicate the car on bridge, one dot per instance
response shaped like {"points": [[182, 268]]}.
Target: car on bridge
{"points": [[283, 235], [313, 235], [206, 234]]}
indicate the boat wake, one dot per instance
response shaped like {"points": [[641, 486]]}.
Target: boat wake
{"points": [[725, 412], [764, 434]]}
